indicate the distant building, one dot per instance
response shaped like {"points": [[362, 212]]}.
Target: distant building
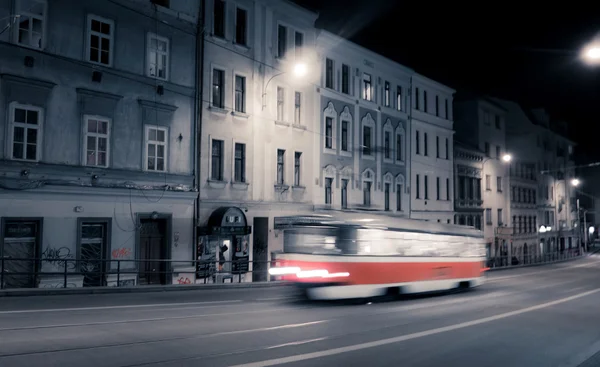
{"points": [[96, 140]]}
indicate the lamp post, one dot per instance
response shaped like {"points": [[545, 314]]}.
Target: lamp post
{"points": [[299, 70], [506, 158]]}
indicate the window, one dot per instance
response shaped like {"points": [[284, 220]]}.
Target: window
{"points": [[280, 105], [100, 40], [488, 182], [497, 120], [329, 73], [501, 218], [219, 19], [425, 140], [344, 194], [281, 41], [418, 187], [31, 23], [96, 141], [488, 216], [366, 140], [417, 98], [437, 147], [386, 145], [499, 184], [156, 148], [399, 98], [345, 79], [437, 106], [239, 174], [387, 196], [497, 151], [216, 160], [218, 97], [487, 148], [417, 142], [241, 26], [447, 148], [399, 190], [297, 108], [280, 166], [387, 94], [437, 188], [158, 56], [446, 109], [366, 93], [426, 187], [240, 94], [367, 193], [297, 162], [93, 237], [328, 132], [399, 147], [298, 43], [344, 136], [26, 132], [425, 101], [447, 189], [328, 183]]}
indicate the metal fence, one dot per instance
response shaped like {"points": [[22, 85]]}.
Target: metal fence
{"points": [[70, 273], [532, 259]]}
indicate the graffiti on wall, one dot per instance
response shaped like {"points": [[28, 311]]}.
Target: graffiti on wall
{"points": [[121, 253], [59, 257]]}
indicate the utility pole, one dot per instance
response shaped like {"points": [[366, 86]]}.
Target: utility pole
{"points": [[579, 224]]}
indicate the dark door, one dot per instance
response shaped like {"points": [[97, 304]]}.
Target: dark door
{"points": [[153, 251], [93, 253], [260, 248], [19, 251]]}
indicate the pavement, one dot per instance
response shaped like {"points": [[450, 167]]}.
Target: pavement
{"points": [[542, 316]]}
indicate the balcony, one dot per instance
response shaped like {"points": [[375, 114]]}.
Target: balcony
{"points": [[468, 203]]}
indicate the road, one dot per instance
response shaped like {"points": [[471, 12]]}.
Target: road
{"points": [[539, 316]]}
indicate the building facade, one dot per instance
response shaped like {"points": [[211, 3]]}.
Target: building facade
{"points": [[363, 109], [468, 200], [96, 140], [258, 130], [431, 148], [480, 123]]}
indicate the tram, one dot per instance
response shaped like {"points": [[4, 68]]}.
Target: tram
{"points": [[358, 255]]}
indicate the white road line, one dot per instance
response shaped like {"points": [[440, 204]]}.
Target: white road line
{"points": [[352, 348], [274, 298], [296, 343], [496, 279], [287, 326], [116, 307]]}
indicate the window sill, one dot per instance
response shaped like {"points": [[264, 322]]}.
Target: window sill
{"points": [[216, 184], [282, 123], [242, 186], [218, 39], [368, 157], [329, 151], [400, 163], [281, 187], [299, 127], [345, 153], [388, 160], [218, 110], [242, 115], [298, 188], [241, 46]]}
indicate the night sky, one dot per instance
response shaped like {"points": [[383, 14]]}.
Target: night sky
{"points": [[524, 53]]}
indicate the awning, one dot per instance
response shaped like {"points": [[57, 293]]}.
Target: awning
{"points": [[226, 221]]}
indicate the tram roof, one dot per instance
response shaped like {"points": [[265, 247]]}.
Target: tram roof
{"points": [[373, 220]]}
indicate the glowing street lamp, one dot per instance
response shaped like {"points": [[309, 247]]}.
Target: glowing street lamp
{"points": [[575, 182], [592, 53], [300, 70], [507, 158]]}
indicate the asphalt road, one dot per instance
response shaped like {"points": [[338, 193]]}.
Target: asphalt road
{"points": [[540, 316]]}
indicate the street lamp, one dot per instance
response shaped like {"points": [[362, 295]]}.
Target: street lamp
{"points": [[299, 70], [507, 158], [592, 53], [575, 182]]}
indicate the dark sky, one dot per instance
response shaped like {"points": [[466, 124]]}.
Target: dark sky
{"points": [[518, 51]]}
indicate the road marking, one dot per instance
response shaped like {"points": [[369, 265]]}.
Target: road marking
{"points": [[287, 326], [378, 343], [275, 298], [116, 307], [296, 343], [496, 279]]}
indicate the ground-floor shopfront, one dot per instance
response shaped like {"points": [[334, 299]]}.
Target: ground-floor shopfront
{"points": [[54, 237]]}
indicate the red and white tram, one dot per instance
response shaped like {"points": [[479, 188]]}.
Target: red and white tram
{"points": [[356, 255]]}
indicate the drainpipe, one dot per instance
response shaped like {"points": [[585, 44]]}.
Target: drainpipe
{"points": [[199, 69], [410, 140]]}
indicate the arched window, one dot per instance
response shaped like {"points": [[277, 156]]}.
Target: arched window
{"points": [[346, 132], [329, 129]]}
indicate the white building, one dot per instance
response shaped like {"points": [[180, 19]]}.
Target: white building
{"points": [[256, 150], [431, 151], [363, 101]]}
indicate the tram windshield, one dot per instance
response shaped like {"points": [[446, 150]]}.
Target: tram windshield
{"points": [[378, 242]]}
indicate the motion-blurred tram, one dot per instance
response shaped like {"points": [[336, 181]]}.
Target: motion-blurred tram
{"points": [[356, 255]]}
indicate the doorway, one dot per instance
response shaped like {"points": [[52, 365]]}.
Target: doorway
{"points": [[154, 251], [94, 235], [260, 247], [19, 250]]}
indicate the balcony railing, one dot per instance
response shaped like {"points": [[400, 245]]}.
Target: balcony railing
{"points": [[469, 203]]}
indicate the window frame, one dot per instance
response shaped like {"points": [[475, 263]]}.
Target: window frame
{"points": [[330, 112], [282, 49], [247, 27], [389, 129], [147, 128], [12, 124], [244, 160], [224, 35], [400, 133], [297, 168], [364, 88], [212, 84], [44, 20], [277, 163], [108, 120], [244, 93], [88, 43], [149, 37], [298, 97], [329, 85]]}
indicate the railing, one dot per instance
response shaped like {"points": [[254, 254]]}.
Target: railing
{"points": [[532, 259], [70, 273], [469, 203]]}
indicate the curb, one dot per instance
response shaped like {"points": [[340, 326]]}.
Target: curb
{"points": [[138, 289]]}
